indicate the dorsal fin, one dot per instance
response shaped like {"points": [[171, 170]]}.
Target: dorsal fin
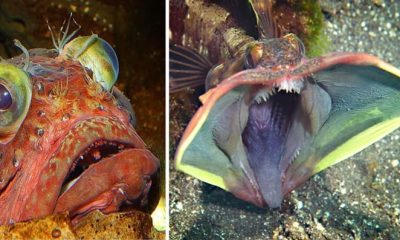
{"points": [[267, 26]]}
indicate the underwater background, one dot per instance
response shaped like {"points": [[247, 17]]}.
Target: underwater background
{"points": [[136, 31], [359, 198]]}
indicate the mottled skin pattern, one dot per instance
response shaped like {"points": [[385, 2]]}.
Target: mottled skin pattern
{"points": [[69, 111]]}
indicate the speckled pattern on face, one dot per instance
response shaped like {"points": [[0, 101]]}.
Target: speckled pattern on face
{"points": [[71, 115]]}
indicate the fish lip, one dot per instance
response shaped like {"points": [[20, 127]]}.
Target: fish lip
{"points": [[79, 137], [95, 146], [121, 187], [103, 140]]}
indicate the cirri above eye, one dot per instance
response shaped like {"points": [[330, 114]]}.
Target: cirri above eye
{"points": [[97, 55], [15, 99]]}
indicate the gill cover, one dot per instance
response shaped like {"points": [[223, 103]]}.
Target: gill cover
{"points": [[365, 95], [97, 55], [15, 99]]}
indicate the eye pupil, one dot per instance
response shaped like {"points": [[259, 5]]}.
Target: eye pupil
{"points": [[5, 98], [253, 56], [249, 61]]}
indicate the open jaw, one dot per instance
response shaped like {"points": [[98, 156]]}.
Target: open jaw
{"points": [[95, 152], [346, 102], [275, 122], [101, 164], [121, 178]]}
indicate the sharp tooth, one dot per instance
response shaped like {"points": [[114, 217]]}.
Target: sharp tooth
{"points": [[121, 191], [81, 157], [69, 185], [96, 154], [264, 98]]}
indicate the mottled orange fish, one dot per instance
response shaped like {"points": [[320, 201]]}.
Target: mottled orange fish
{"points": [[67, 141]]}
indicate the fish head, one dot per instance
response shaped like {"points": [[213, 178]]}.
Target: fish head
{"points": [[67, 139], [275, 54]]}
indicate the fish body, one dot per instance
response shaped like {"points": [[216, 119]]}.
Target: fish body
{"points": [[271, 117], [75, 149]]}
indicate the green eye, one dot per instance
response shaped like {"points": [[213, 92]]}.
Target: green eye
{"points": [[97, 55], [15, 99]]}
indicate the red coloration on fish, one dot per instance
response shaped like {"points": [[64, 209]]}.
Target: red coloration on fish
{"points": [[71, 116]]}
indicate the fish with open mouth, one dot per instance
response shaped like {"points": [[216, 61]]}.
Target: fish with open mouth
{"points": [[271, 117], [67, 140]]}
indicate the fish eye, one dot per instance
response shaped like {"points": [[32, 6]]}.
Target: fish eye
{"points": [[253, 56], [97, 55], [5, 98], [296, 43], [15, 99]]}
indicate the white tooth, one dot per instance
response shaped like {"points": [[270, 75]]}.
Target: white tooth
{"points": [[284, 85], [121, 191], [69, 185], [264, 98], [81, 157]]}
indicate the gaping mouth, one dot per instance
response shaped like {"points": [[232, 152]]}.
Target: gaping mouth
{"points": [[267, 126], [271, 115], [102, 164], [280, 121], [94, 153]]}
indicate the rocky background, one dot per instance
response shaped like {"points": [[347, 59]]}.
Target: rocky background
{"points": [[358, 198]]}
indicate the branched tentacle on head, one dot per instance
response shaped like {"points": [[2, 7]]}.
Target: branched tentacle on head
{"points": [[18, 44], [63, 36]]}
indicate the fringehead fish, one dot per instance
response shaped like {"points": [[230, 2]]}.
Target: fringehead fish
{"points": [[67, 141], [271, 117]]}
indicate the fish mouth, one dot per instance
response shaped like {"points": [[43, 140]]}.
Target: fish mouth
{"points": [[264, 138], [95, 152], [262, 130], [102, 164], [281, 120]]}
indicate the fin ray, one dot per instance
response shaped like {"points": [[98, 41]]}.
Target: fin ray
{"points": [[188, 69]]}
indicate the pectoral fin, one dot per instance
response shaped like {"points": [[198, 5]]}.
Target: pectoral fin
{"points": [[187, 68]]}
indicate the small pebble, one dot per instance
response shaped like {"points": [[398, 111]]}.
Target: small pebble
{"points": [[299, 205], [395, 163], [179, 206]]}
